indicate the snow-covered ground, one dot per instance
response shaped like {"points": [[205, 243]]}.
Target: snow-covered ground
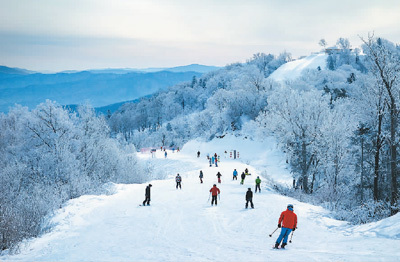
{"points": [[294, 69], [181, 225]]}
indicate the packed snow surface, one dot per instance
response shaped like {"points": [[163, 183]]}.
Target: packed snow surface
{"points": [[294, 69], [181, 225]]}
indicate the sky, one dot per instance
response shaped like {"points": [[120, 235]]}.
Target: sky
{"points": [[56, 35]]}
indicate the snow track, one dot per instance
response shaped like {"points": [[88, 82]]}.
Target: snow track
{"points": [[180, 225]]}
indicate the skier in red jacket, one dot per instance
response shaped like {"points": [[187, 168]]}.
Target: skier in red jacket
{"points": [[288, 222], [214, 193]]}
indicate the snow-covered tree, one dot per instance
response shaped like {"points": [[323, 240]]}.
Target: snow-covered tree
{"points": [[295, 117], [384, 61]]}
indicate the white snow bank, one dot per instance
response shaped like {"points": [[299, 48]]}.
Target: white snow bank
{"points": [[388, 227], [294, 69]]}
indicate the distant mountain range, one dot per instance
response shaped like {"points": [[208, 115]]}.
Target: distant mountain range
{"points": [[14, 71], [101, 87], [178, 69]]}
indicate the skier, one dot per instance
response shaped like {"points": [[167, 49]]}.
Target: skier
{"points": [[212, 159], [178, 180], [249, 198], [219, 177], [288, 222], [201, 176], [246, 171], [216, 162], [165, 154], [147, 194], [243, 176], [258, 183], [235, 174], [198, 154], [214, 193], [209, 160]]}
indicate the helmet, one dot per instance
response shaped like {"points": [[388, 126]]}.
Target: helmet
{"points": [[150, 185], [215, 185], [290, 206], [249, 188]]}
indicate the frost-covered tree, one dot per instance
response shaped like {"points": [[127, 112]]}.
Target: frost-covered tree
{"points": [[384, 61], [323, 43], [228, 97], [51, 155], [295, 117]]}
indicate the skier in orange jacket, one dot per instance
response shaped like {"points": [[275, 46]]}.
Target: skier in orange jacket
{"points": [[287, 222]]}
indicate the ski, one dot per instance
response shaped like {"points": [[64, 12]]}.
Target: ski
{"points": [[273, 247]]}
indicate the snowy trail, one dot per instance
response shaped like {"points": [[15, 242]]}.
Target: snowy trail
{"points": [[180, 225]]}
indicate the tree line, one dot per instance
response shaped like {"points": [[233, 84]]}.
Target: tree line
{"points": [[50, 155], [337, 124]]}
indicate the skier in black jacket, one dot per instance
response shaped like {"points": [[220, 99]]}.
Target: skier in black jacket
{"points": [[147, 200], [178, 180], [219, 177], [249, 198], [243, 176]]}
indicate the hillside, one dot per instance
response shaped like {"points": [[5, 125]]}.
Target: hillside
{"points": [[294, 69], [178, 69], [77, 88], [14, 71], [180, 225]]}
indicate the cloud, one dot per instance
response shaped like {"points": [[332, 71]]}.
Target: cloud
{"points": [[153, 32]]}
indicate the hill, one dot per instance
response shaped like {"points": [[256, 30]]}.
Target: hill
{"points": [[187, 68], [294, 69], [179, 69], [14, 71], [77, 88], [180, 225]]}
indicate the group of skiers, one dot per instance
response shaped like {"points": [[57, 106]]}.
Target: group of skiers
{"points": [[214, 159], [287, 220], [173, 151]]}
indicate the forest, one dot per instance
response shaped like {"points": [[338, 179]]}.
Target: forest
{"points": [[337, 125]]}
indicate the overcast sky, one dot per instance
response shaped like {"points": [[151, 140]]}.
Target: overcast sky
{"points": [[60, 35]]}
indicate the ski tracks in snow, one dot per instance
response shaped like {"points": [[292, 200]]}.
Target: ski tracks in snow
{"points": [[181, 225]]}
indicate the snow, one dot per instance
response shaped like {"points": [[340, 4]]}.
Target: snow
{"points": [[294, 69], [180, 225]]}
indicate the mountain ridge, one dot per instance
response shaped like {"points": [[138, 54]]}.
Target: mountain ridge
{"points": [[81, 87]]}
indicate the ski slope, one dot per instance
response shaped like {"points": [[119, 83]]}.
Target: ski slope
{"points": [[294, 69], [180, 225]]}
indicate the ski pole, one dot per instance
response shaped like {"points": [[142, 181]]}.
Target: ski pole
{"points": [[209, 197], [270, 235], [291, 236]]}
